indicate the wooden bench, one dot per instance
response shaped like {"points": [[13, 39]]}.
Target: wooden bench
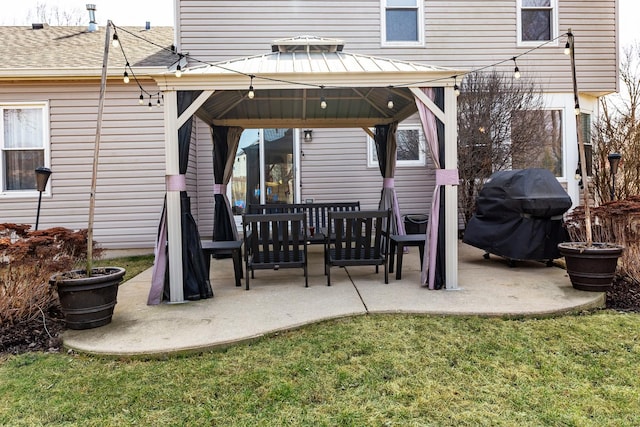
{"points": [[231, 247], [317, 214]]}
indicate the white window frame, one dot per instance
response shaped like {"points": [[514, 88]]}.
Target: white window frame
{"points": [[420, 25], [422, 157], [44, 106], [554, 25]]}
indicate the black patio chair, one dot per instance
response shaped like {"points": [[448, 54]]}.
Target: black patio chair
{"points": [[275, 241], [356, 239]]}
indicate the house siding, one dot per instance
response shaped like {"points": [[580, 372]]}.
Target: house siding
{"points": [[462, 34], [130, 182]]}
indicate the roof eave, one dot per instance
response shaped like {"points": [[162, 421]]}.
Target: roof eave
{"points": [[73, 73], [236, 81]]}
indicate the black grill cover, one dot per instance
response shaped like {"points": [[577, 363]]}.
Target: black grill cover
{"points": [[519, 215]]}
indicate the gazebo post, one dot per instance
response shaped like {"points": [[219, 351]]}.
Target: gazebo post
{"points": [[451, 191], [174, 220]]}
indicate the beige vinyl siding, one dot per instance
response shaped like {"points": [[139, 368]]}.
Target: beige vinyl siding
{"points": [[130, 183], [459, 34]]}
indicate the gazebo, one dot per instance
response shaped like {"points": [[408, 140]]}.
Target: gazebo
{"points": [[310, 82]]}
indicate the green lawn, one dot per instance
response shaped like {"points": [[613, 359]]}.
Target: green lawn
{"points": [[133, 265], [377, 370]]}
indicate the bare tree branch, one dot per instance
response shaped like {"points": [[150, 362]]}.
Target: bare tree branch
{"points": [[501, 125]]}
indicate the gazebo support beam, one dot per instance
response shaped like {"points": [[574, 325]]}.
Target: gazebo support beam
{"points": [[174, 220], [451, 191]]}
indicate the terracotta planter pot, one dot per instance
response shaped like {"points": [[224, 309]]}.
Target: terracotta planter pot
{"points": [[88, 302], [591, 268]]}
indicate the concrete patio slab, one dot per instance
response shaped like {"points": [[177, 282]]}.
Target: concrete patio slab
{"points": [[278, 301]]}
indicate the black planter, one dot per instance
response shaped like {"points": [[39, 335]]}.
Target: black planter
{"points": [[591, 268], [88, 302]]}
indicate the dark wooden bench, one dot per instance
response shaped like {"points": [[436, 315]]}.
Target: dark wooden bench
{"points": [[317, 214], [231, 247]]}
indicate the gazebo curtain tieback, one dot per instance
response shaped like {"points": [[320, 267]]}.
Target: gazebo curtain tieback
{"points": [[390, 184], [176, 182], [447, 177], [219, 189]]}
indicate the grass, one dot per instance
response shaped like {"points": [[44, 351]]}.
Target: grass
{"points": [[378, 370], [133, 265]]}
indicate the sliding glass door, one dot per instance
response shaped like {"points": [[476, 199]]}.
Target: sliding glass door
{"points": [[265, 170]]}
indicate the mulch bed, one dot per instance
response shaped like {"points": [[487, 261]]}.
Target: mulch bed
{"points": [[34, 335], [624, 295], [46, 337]]}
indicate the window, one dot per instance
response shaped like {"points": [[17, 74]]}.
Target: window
{"points": [[411, 148], [536, 21], [23, 146], [585, 124], [536, 139], [402, 23]]}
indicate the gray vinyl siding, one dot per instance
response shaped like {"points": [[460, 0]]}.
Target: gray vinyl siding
{"points": [[130, 183], [460, 34]]}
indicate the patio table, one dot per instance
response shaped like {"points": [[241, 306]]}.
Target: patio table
{"points": [[399, 242]]}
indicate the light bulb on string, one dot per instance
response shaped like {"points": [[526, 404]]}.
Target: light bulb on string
{"points": [[251, 94], [158, 104], [141, 101], [114, 41], [577, 109], [150, 105], [323, 101], [390, 103], [456, 88], [567, 45], [126, 77], [516, 70], [178, 71]]}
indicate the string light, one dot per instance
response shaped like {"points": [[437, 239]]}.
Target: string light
{"points": [[150, 105], [126, 75], [323, 102], [577, 109], [158, 103], [567, 45], [251, 94], [390, 99]]}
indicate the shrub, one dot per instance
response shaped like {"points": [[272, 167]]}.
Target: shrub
{"points": [[27, 260]]}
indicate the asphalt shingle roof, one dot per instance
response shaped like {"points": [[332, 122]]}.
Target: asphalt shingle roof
{"points": [[63, 48]]}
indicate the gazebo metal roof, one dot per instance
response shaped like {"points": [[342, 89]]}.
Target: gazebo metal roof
{"points": [[290, 81]]}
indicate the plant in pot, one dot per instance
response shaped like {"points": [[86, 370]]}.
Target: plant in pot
{"points": [[88, 296], [591, 265]]}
